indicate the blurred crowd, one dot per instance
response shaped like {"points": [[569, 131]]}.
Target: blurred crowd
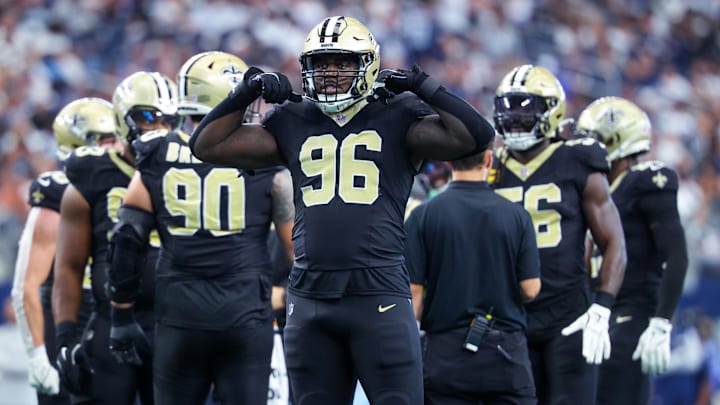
{"points": [[662, 54]]}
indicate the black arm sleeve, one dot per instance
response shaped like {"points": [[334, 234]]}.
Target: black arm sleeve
{"points": [[669, 238], [478, 127], [241, 97], [128, 246]]}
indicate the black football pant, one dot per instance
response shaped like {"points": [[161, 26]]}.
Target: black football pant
{"points": [[329, 344], [113, 383], [621, 378], [456, 376], [236, 362]]}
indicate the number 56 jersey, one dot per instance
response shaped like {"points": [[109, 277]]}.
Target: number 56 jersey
{"points": [[550, 188]]}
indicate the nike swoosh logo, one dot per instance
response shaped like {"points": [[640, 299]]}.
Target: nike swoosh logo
{"points": [[382, 309], [621, 319]]}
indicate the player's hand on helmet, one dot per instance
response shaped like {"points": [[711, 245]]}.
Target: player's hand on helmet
{"points": [[274, 87], [406, 80], [42, 376], [594, 325], [653, 347], [128, 343], [391, 82]]}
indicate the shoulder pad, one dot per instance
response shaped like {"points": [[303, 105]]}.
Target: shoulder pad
{"points": [[81, 160], [145, 145], [47, 190], [654, 176], [590, 153]]}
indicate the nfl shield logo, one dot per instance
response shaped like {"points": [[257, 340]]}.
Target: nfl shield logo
{"points": [[524, 172], [340, 118]]}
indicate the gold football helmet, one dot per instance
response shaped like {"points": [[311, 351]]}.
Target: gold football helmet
{"points": [[618, 123], [82, 122], [340, 36], [206, 79], [529, 106], [144, 101]]}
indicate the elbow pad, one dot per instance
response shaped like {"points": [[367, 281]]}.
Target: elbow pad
{"points": [[126, 256]]}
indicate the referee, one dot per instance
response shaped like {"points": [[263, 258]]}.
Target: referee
{"points": [[474, 255]]}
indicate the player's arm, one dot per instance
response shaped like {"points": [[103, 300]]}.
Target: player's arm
{"points": [[417, 291], [283, 216], [74, 240], [606, 229], [669, 237], [35, 259], [129, 243], [223, 138], [128, 247], [607, 232], [528, 261], [660, 212], [457, 130], [73, 250]]}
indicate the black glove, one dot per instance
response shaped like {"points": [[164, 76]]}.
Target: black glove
{"points": [[73, 362], [128, 343], [392, 82], [274, 87]]}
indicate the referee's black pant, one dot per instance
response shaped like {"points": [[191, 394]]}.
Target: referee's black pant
{"points": [[498, 373]]}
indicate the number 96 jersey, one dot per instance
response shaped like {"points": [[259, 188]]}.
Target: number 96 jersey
{"points": [[550, 188], [351, 179]]}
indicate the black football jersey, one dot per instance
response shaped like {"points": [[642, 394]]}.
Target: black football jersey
{"points": [[634, 193], [101, 175], [550, 187], [352, 178], [214, 226], [210, 218], [47, 190]]}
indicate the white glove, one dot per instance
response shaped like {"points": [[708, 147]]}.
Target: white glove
{"points": [[653, 347], [596, 341], [41, 374]]}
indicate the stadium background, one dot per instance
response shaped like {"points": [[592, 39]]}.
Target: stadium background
{"points": [[662, 54]]}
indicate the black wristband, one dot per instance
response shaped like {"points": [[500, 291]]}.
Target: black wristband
{"points": [[427, 89], [604, 298], [66, 333], [122, 316]]}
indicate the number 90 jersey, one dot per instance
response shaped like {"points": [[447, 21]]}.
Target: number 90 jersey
{"points": [[101, 175], [351, 180], [211, 220], [550, 187]]}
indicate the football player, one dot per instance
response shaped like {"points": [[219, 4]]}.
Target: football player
{"points": [[85, 121], [142, 102], [352, 163], [216, 326], [645, 193], [563, 185]]}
